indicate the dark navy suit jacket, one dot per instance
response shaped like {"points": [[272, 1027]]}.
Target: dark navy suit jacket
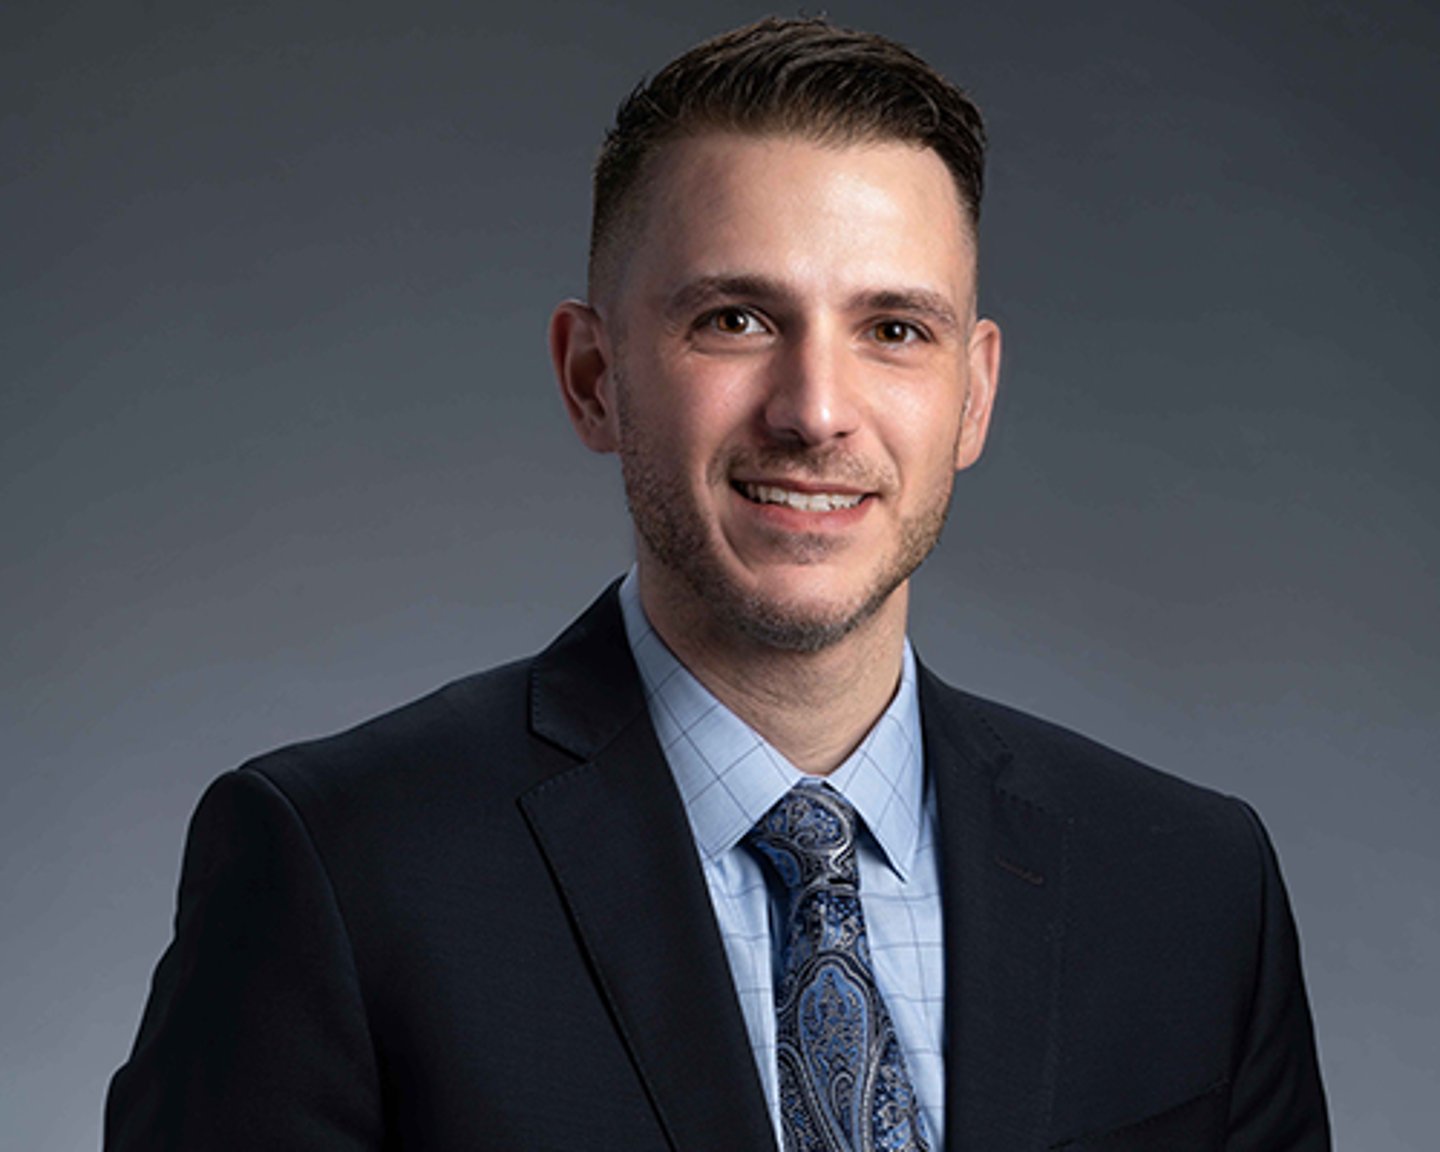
{"points": [[480, 922]]}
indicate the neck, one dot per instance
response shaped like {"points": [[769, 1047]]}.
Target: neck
{"points": [[814, 708]]}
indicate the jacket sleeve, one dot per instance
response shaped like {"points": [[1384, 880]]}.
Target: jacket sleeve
{"points": [[255, 1033], [1277, 1103]]}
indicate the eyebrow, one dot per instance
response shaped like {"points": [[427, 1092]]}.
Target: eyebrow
{"points": [[915, 301], [703, 290], [694, 294]]}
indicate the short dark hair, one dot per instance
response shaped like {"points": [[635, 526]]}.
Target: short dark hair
{"points": [[804, 77]]}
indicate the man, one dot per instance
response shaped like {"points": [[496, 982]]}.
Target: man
{"points": [[725, 867]]}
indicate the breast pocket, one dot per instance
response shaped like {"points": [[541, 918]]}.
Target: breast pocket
{"points": [[1197, 1125]]}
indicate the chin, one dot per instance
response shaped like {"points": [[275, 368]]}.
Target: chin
{"points": [[790, 626]]}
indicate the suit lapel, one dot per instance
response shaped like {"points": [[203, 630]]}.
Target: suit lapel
{"points": [[615, 834], [612, 827], [1003, 867]]}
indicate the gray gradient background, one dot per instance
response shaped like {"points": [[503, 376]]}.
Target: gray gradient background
{"points": [[281, 447]]}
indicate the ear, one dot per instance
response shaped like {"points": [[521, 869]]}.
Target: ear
{"points": [[983, 376], [580, 351]]}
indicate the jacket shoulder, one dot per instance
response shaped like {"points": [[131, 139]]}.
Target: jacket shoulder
{"points": [[471, 731], [1096, 788]]}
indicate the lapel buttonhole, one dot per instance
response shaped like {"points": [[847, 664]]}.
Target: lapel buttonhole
{"points": [[1017, 870]]}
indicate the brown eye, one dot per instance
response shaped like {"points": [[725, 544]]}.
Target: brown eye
{"points": [[893, 332], [731, 321]]}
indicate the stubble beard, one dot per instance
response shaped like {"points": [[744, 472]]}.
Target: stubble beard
{"points": [[674, 533]]}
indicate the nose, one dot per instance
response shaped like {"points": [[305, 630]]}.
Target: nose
{"points": [[812, 396]]}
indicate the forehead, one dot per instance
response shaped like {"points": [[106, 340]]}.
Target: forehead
{"points": [[818, 214]]}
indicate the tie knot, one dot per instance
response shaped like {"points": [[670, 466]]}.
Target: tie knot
{"points": [[809, 837]]}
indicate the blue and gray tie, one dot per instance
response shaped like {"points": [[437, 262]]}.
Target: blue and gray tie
{"points": [[843, 1084]]}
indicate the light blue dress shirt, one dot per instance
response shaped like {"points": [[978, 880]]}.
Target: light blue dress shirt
{"points": [[728, 777]]}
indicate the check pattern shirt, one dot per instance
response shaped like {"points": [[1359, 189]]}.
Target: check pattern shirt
{"points": [[728, 777]]}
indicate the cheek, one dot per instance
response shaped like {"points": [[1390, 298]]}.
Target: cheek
{"points": [[674, 432], [701, 409], [923, 435]]}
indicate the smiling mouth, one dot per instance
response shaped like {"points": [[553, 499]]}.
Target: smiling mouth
{"points": [[802, 501]]}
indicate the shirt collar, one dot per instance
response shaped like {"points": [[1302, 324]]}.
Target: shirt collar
{"points": [[729, 776]]}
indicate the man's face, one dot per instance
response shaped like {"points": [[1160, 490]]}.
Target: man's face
{"points": [[793, 377]]}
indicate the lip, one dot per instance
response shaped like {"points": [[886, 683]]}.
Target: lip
{"points": [[806, 487], [781, 518]]}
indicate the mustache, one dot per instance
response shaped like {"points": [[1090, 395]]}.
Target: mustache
{"points": [[828, 464]]}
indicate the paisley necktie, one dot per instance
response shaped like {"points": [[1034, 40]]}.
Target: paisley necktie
{"points": [[843, 1084]]}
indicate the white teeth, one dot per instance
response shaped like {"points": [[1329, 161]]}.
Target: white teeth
{"points": [[804, 501]]}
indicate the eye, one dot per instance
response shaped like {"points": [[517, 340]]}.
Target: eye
{"points": [[895, 332], [732, 322]]}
